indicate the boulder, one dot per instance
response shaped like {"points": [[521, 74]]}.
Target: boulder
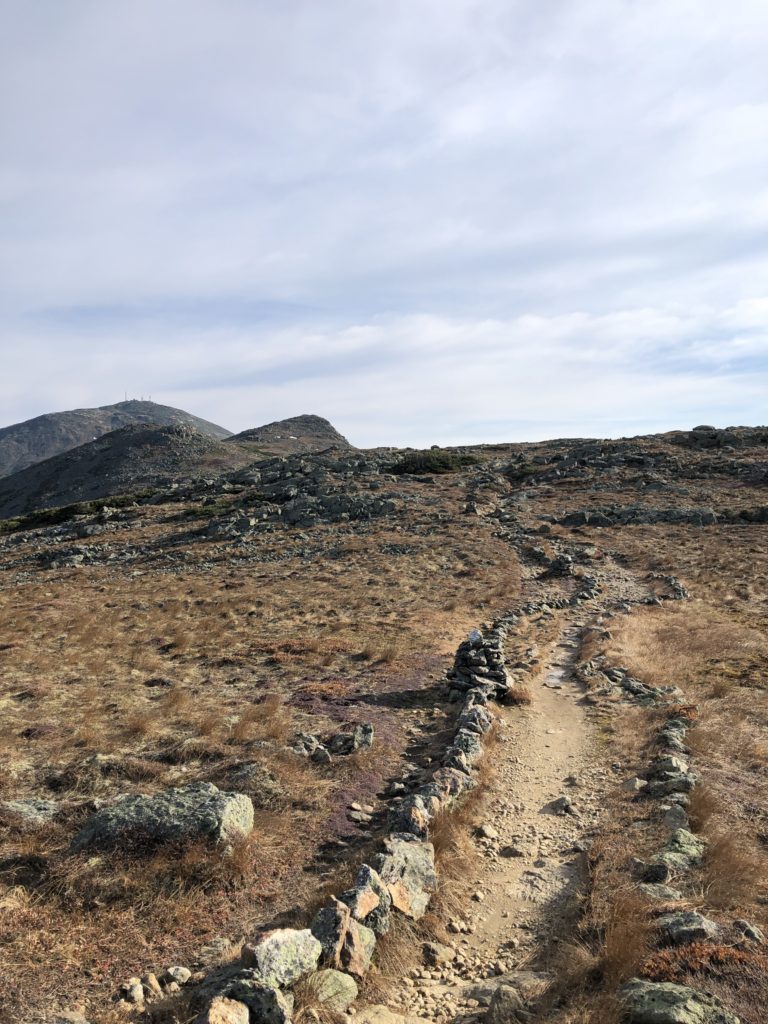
{"points": [[264, 789], [506, 1006], [682, 850], [195, 812], [378, 1014], [438, 955], [369, 900], [31, 811], [407, 868], [282, 956], [224, 1011], [468, 743], [748, 930], [411, 816], [452, 783], [658, 891], [346, 944], [180, 975], [649, 1002], [684, 926], [266, 1005], [634, 785], [562, 805], [333, 989], [361, 738], [675, 817]]}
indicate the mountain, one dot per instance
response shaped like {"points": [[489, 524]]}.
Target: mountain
{"points": [[130, 459], [24, 444], [297, 434]]}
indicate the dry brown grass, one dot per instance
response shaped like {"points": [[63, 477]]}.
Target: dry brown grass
{"points": [[518, 694], [733, 872], [174, 676], [702, 805]]}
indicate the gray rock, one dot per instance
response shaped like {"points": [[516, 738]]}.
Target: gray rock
{"points": [[506, 1006], [180, 975], [369, 900], [438, 955], [675, 817], [31, 810], [264, 789], [658, 891], [346, 944], [411, 816], [334, 989], [681, 852], [407, 868], [668, 763], [634, 785], [224, 1011], [684, 926], [649, 1002], [266, 1005], [749, 931], [562, 805], [282, 956], [361, 738], [199, 811]]}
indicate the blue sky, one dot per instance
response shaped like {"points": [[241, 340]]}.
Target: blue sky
{"points": [[433, 221]]}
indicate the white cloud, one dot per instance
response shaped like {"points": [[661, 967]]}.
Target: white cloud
{"points": [[426, 220]]}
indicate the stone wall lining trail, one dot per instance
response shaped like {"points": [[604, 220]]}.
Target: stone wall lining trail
{"points": [[539, 813]]}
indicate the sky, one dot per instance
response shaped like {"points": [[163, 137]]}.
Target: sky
{"points": [[431, 221]]}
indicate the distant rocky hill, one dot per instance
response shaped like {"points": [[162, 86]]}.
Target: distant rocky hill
{"points": [[24, 444], [131, 459], [296, 434]]}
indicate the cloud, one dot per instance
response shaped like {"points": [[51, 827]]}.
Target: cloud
{"points": [[428, 221]]}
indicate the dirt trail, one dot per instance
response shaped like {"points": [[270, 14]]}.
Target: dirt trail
{"points": [[532, 856]]}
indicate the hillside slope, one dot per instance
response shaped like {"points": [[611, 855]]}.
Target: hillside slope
{"points": [[23, 444], [130, 459], [296, 434]]}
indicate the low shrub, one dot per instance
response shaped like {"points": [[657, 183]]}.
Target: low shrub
{"points": [[433, 461]]}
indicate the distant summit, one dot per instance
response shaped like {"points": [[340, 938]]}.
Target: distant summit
{"points": [[24, 444], [294, 435], [127, 460]]}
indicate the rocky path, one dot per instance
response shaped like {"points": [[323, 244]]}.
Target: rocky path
{"points": [[542, 806]]}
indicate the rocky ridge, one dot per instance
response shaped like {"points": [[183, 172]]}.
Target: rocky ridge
{"points": [[40, 438]]}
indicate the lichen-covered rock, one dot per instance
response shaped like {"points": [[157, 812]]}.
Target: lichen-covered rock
{"points": [[264, 789], [369, 900], [334, 989], [668, 763], [282, 956], [749, 931], [469, 744], [346, 943], [659, 891], [452, 783], [361, 738], [33, 811], [411, 816], [682, 850], [475, 719], [407, 868], [266, 1004], [195, 812], [684, 926], [649, 1002]]}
